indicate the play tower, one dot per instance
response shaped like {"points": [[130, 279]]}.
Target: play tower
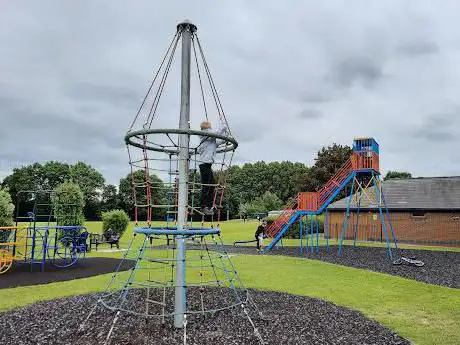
{"points": [[179, 264], [361, 174]]}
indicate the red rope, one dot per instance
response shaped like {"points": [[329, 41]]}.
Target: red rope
{"points": [[133, 184], [147, 182]]}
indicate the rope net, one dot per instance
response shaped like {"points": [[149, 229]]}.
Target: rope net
{"points": [[160, 267], [153, 145], [143, 285], [149, 290]]}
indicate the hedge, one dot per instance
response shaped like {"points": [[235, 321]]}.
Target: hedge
{"points": [[116, 220]]}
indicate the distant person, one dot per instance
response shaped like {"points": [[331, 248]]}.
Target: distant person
{"points": [[260, 234], [207, 152]]}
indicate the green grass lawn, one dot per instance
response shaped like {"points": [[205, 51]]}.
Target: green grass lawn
{"points": [[236, 230], [426, 314]]}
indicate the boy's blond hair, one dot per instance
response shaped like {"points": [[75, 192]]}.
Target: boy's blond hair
{"points": [[205, 125]]}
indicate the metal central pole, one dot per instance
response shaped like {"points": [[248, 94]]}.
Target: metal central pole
{"points": [[186, 30]]}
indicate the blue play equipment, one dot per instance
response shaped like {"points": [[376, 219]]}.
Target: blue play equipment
{"points": [[44, 240], [361, 174], [62, 246]]}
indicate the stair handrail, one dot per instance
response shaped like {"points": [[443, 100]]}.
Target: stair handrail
{"points": [[283, 217], [335, 181]]}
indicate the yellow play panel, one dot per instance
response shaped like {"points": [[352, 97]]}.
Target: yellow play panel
{"points": [[13, 242]]}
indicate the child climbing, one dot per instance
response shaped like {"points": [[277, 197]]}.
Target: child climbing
{"points": [[260, 233], [207, 151]]}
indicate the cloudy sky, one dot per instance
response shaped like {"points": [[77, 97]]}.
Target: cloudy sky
{"points": [[292, 78]]}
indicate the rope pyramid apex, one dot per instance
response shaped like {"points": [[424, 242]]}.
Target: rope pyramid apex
{"points": [[186, 24]]}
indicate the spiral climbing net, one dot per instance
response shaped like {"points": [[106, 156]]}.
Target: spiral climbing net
{"points": [[165, 164], [148, 292], [154, 152]]}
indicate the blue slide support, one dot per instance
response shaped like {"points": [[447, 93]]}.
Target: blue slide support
{"points": [[357, 219], [279, 236], [345, 223], [382, 220], [300, 234], [307, 235], [281, 233], [317, 233], [390, 224]]}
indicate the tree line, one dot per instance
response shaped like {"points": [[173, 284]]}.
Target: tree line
{"points": [[251, 188]]}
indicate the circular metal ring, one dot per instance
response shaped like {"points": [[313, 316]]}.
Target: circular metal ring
{"points": [[174, 232], [130, 139]]}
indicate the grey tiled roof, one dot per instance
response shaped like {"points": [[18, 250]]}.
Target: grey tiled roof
{"points": [[425, 193]]}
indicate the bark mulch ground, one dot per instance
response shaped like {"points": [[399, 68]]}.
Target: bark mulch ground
{"points": [[20, 274], [287, 319], [441, 267]]}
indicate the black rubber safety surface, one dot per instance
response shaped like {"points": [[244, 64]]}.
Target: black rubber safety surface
{"points": [[20, 274], [287, 319], [441, 267]]}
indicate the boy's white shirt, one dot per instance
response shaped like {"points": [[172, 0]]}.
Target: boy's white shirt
{"points": [[208, 147]]}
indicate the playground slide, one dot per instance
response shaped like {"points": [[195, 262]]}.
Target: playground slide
{"points": [[311, 203]]}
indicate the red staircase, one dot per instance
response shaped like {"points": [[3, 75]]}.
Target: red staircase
{"points": [[274, 228], [334, 183], [311, 201]]}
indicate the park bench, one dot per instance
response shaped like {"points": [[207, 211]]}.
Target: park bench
{"points": [[96, 239]]}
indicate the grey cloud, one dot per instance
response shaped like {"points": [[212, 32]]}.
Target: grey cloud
{"points": [[315, 96], [310, 114], [87, 108], [439, 127], [118, 96], [434, 134], [69, 88], [349, 71], [248, 131], [44, 135], [416, 48]]}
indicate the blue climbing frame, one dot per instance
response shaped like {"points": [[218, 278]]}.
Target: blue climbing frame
{"points": [[62, 246]]}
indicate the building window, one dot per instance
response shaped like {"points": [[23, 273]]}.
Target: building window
{"points": [[418, 215]]}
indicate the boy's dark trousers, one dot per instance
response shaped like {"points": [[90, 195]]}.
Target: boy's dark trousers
{"points": [[207, 192], [258, 241]]}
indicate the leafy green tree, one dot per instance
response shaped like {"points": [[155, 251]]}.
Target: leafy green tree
{"points": [[242, 210], [270, 201], [52, 174], [34, 177], [48, 176], [327, 162], [68, 204], [254, 207], [109, 197], [396, 174], [6, 213], [158, 193], [263, 204], [6, 208], [91, 183], [246, 183], [116, 221]]}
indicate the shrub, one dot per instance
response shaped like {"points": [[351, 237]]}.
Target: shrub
{"points": [[263, 204], [6, 213], [116, 220], [294, 229], [6, 208], [68, 204]]}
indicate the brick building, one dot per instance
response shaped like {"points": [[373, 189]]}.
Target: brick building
{"points": [[422, 210]]}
